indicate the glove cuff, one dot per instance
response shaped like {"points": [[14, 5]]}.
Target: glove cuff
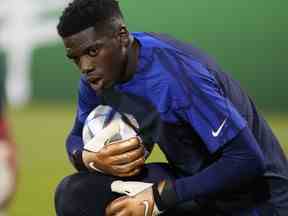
{"points": [[78, 161], [168, 197]]}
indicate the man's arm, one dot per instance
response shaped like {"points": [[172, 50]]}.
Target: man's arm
{"points": [[87, 100], [241, 161], [74, 145], [222, 129]]}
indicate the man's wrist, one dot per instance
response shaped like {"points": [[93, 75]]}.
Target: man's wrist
{"points": [[78, 160], [165, 196]]}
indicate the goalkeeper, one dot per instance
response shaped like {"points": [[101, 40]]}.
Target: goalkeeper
{"points": [[222, 157]]}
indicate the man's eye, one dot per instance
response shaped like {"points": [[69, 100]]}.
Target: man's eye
{"points": [[92, 52], [70, 57], [74, 59]]}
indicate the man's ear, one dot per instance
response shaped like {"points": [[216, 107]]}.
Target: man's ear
{"points": [[124, 36]]}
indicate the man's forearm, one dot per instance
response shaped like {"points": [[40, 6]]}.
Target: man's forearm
{"points": [[241, 162], [74, 146]]}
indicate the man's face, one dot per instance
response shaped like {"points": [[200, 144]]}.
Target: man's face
{"points": [[100, 57]]}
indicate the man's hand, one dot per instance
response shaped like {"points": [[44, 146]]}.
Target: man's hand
{"points": [[123, 158], [141, 204]]}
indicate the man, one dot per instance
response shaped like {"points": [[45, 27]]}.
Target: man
{"points": [[223, 159], [8, 168]]}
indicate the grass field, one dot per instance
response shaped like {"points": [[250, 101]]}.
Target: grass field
{"points": [[40, 132]]}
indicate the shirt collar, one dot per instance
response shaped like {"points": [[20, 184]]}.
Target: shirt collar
{"points": [[145, 50]]}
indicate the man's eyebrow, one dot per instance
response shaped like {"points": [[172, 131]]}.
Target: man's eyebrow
{"points": [[94, 44]]}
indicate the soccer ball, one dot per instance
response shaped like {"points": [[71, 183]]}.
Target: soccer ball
{"points": [[104, 125]]}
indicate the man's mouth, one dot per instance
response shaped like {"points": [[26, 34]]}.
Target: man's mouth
{"points": [[97, 83], [94, 80]]}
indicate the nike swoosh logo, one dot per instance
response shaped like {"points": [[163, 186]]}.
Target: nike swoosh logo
{"points": [[92, 166], [146, 206], [217, 132]]}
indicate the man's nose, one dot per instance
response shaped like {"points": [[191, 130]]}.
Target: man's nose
{"points": [[86, 65]]}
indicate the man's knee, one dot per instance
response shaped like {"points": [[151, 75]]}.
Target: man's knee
{"points": [[83, 194], [66, 200]]}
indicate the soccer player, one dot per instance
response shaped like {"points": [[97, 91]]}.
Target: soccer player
{"points": [[222, 157], [8, 167]]}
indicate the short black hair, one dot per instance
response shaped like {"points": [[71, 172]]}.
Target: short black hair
{"points": [[82, 14]]}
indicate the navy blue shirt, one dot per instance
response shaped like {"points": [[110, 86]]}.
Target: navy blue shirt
{"points": [[183, 102]]}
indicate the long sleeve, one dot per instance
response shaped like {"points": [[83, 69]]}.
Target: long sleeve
{"points": [[241, 161], [87, 100], [74, 145]]}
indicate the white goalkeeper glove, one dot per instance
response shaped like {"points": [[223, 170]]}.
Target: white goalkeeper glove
{"points": [[137, 190]]}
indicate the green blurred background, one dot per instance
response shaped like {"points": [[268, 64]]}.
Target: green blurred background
{"points": [[248, 38]]}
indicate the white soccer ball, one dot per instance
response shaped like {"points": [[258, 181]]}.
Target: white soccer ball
{"points": [[104, 126]]}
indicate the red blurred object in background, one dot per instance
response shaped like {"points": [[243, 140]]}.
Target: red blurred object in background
{"points": [[8, 166]]}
